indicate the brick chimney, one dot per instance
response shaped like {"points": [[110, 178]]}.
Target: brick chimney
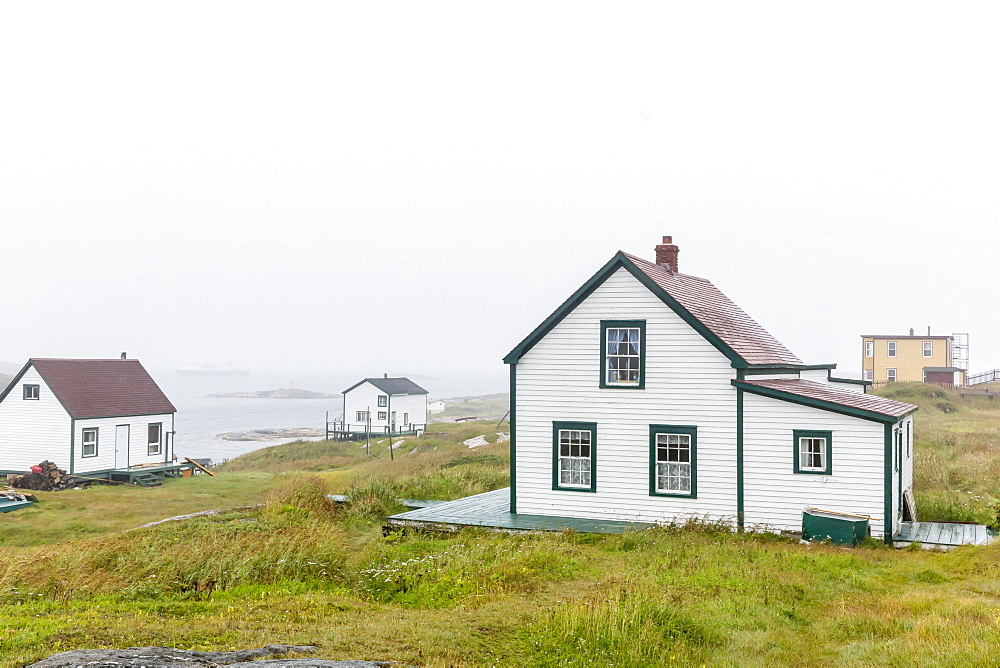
{"points": [[666, 254]]}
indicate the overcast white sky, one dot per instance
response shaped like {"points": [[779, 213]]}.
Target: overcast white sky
{"points": [[349, 188]]}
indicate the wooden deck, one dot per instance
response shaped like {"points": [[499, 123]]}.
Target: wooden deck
{"points": [[491, 510], [943, 535]]}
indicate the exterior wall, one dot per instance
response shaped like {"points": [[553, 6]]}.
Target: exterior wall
{"points": [[138, 442], [365, 397], [32, 431], [775, 496], [686, 383], [909, 361]]}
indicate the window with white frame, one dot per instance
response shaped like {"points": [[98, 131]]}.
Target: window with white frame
{"points": [[623, 357], [812, 451], [361, 416], [928, 349], [869, 374], [154, 440], [89, 443], [673, 452], [382, 415], [406, 418], [890, 375], [869, 349], [31, 391], [383, 401], [574, 456], [890, 348]]}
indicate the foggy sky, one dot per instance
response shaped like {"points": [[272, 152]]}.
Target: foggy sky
{"points": [[348, 189]]}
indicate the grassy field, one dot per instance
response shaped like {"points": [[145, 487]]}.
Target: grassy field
{"points": [[303, 570]]}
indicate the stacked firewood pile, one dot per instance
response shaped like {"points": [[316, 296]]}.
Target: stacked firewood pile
{"points": [[46, 477]]}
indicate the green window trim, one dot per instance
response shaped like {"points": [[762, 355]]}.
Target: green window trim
{"points": [[689, 430], [623, 324], [84, 443], [574, 426], [812, 433], [31, 392]]}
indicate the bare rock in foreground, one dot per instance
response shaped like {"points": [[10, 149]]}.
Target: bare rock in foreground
{"points": [[168, 657]]}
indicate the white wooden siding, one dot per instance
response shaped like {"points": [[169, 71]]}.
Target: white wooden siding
{"points": [[32, 431], [138, 442], [687, 383], [365, 397], [775, 496]]}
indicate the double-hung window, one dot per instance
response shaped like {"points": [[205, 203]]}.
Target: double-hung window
{"points": [[928, 349], [813, 451], [890, 348], [890, 375], [31, 391], [89, 443], [869, 349], [383, 400], [673, 460], [154, 439], [574, 456], [382, 415], [869, 374], [623, 353]]}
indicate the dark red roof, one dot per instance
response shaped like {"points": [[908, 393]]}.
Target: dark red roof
{"points": [[103, 388], [835, 395], [720, 315]]}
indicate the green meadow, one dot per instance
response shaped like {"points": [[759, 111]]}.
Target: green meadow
{"points": [[300, 569]]}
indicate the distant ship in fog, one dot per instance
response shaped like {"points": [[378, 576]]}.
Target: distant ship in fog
{"points": [[214, 369]]}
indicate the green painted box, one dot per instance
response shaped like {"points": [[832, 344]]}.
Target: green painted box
{"points": [[840, 528]]}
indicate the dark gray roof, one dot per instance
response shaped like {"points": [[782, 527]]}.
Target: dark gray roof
{"points": [[391, 386]]}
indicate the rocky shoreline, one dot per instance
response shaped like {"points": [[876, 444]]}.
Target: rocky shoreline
{"points": [[272, 434], [280, 393]]}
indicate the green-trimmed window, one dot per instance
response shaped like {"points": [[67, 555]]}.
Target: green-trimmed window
{"points": [[155, 436], [673, 460], [813, 451], [623, 354], [574, 456], [89, 443], [383, 401], [31, 391]]}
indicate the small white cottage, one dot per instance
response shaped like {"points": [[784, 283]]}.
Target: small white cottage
{"points": [[649, 396], [385, 405], [87, 416]]}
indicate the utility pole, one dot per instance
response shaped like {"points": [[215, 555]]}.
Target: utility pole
{"points": [[368, 430]]}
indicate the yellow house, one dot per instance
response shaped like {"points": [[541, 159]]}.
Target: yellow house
{"points": [[929, 359]]}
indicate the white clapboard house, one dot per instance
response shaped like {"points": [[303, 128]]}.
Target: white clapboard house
{"points": [[381, 406], [649, 396], [85, 415]]}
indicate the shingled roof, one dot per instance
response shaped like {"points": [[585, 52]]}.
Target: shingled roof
{"points": [[823, 395], [695, 300], [391, 386], [102, 388]]}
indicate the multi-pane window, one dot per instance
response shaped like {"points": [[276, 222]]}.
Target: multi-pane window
{"points": [[89, 447], [361, 416], [154, 442], [382, 415], [890, 375], [869, 374], [891, 348], [31, 391], [869, 349], [383, 401], [574, 458], [622, 354], [928, 349], [812, 451], [673, 463]]}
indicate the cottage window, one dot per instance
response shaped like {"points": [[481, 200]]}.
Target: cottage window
{"points": [[672, 459], [382, 415], [928, 349], [31, 391], [891, 348], [623, 353], [869, 374], [89, 447], [574, 456], [155, 432], [362, 416], [383, 401], [890, 375], [812, 451], [869, 349], [406, 418]]}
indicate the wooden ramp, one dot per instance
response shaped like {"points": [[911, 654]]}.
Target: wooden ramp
{"points": [[491, 510], [942, 535]]}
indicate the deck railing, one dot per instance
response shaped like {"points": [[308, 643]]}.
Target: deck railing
{"points": [[985, 377], [340, 428]]}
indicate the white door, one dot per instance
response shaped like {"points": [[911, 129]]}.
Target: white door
{"points": [[121, 446]]}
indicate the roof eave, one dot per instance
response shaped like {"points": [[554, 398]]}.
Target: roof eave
{"points": [[821, 403]]}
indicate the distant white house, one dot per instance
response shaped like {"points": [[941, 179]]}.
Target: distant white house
{"points": [[435, 407], [650, 396], [383, 405], [85, 415]]}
